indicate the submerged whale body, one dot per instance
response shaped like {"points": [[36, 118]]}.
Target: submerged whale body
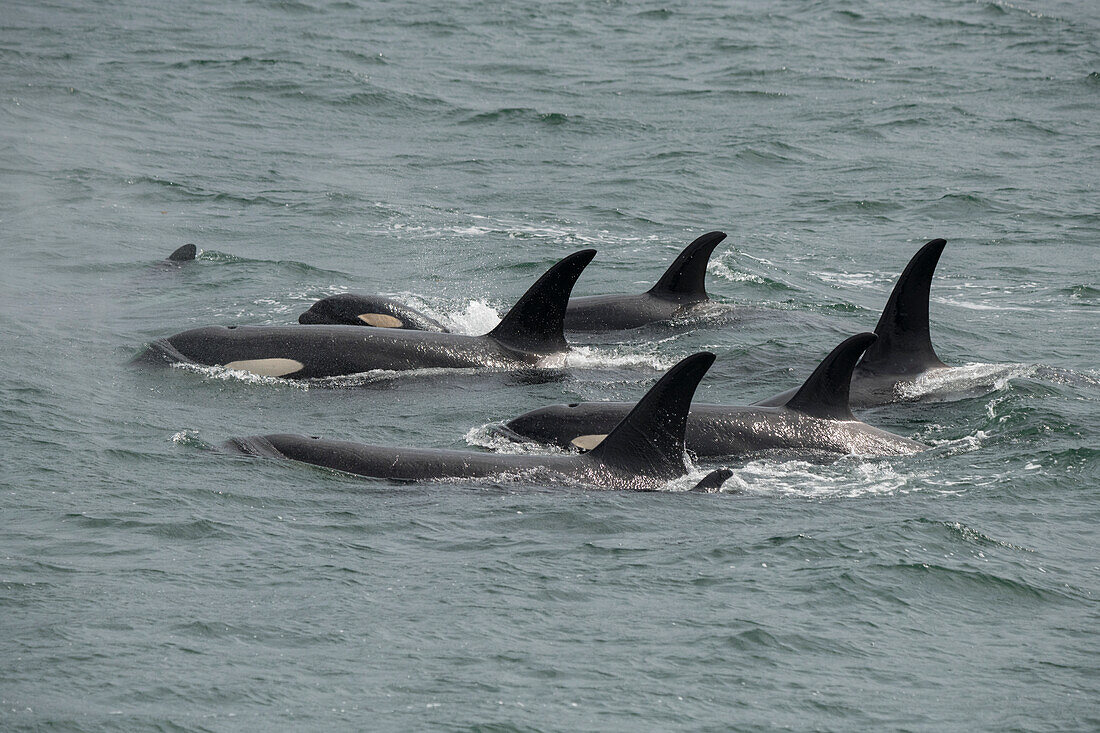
{"points": [[903, 351], [676, 292], [531, 330], [816, 419], [643, 452]]}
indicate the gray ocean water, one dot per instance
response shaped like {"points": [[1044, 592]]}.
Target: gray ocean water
{"points": [[447, 153]]}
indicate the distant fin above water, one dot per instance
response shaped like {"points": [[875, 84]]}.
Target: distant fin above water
{"points": [[186, 253]]}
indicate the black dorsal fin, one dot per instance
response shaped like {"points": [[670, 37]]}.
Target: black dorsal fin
{"points": [[186, 253], [536, 323], [650, 440], [904, 343], [686, 275], [825, 393]]}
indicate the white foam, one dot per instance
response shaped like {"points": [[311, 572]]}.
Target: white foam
{"points": [[724, 271], [976, 378], [589, 357], [487, 437], [844, 478], [225, 375]]}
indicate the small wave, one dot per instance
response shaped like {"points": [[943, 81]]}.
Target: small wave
{"points": [[588, 357], [489, 436], [973, 536], [234, 375], [956, 446], [980, 306], [524, 114], [719, 268], [848, 477], [1082, 292], [969, 379]]}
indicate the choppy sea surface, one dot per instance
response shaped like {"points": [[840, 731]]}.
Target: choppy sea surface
{"points": [[447, 153]]}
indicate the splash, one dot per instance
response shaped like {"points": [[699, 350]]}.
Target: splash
{"points": [[847, 478], [589, 357], [490, 436], [234, 375]]}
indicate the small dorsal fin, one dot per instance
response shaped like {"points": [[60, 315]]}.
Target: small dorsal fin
{"points": [[687, 273], [904, 343], [186, 253], [825, 393], [536, 323], [650, 440], [713, 481]]}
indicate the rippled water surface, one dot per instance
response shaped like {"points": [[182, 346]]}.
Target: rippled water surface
{"points": [[447, 154]]}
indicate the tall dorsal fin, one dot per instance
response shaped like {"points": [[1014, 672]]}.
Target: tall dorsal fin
{"points": [[904, 341], [186, 253], [536, 323], [825, 393], [686, 274], [650, 440]]}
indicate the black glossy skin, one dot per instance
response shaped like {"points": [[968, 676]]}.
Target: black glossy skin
{"points": [[903, 351], [718, 430], [678, 290], [532, 329], [327, 351], [816, 419], [621, 312], [348, 308], [644, 451], [868, 389], [420, 464]]}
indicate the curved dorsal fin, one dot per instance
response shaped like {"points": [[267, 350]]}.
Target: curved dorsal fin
{"points": [[536, 323], [904, 341], [650, 440], [186, 253], [686, 274], [825, 393]]}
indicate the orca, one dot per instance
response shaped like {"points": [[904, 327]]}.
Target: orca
{"points": [[368, 310], [676, 292], [903, 351], [680, 288], [643, 452], [815, 420], [530, 331], [186, 253]]}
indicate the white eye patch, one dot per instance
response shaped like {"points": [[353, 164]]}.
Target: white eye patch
{"points": [[267, 367], [587, 442], [380, 320]]}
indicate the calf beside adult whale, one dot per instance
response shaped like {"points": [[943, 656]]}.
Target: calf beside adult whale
{"points": [[678, 290], [815, 419], [903, 351], [643, 452], [530, 331]]}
